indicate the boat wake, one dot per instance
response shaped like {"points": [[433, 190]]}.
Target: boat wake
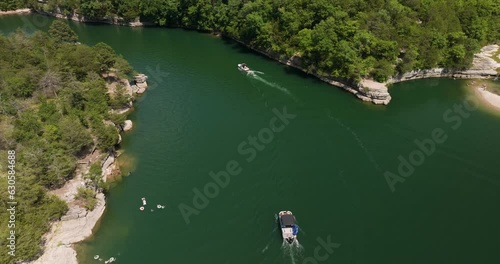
{"points": [[254, 76], [271, 239], [360, 143], [293, 251]]}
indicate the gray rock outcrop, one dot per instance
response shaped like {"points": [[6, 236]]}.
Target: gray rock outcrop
{"points": [[140, 83]]}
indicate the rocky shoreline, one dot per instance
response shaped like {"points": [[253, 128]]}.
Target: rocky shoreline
{"points": [[113, 20], [368, 90], [78, 223], [483, 67]]}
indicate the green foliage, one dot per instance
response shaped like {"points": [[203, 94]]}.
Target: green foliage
{"points": [[107, 136], [13, 4], [34, 210], [122, 67], [117, 118], [27, 127], [61, 167], [87, 197], [105, 55], [51, 98], [95, 177], [338, 37], [61, 32], [20, 86], [95, 8], [74, 136], [120, 98]]}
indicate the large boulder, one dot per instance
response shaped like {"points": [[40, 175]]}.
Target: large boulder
{"points": [[127, 125]]}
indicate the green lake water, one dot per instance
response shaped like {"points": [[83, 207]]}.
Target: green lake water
{"points": [[326, 166]]}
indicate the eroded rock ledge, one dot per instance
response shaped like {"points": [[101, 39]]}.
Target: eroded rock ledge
{"points": [[484, 67], [78, 223], [367, 90], [114, 20]]}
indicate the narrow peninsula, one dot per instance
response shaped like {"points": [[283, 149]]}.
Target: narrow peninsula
{"points": [[62, 107]]}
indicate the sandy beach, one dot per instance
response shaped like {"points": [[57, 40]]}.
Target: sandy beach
{"points": [[16, 12], [492, 98], [482, 89]]}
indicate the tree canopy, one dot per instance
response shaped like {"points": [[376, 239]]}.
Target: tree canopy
{"points": [[348, 39], [61, 32], [53, 107]]}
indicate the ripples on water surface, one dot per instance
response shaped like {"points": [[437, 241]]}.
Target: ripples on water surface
{"points": [[326, 166]]}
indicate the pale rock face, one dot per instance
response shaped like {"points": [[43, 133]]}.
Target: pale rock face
{"points": [[140, 78], [483, 61], [140, 83], [108, 166], [373, 91], [114, 20], [74, 227], [127, 125], [77, 224], [141, 87], [483, 66]]}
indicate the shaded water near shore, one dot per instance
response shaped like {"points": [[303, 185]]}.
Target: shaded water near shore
{"points": [[326, 166]]}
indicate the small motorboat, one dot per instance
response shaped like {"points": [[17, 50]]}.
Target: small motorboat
{"points": [[243, 67], [289, 228]]}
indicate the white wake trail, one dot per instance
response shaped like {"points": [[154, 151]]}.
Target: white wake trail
{"points": [[293, 251], [274, 85], [360, 143]]}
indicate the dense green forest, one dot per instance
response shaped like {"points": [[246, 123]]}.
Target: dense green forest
{"points": [[342, 38], [53, 103]]}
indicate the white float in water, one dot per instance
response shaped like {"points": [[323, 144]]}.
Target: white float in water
{"points": [[141, 208], [143, 201], [96, 256], [112, 259]]}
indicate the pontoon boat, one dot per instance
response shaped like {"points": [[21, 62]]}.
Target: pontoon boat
{"points": [[289, 228]]}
